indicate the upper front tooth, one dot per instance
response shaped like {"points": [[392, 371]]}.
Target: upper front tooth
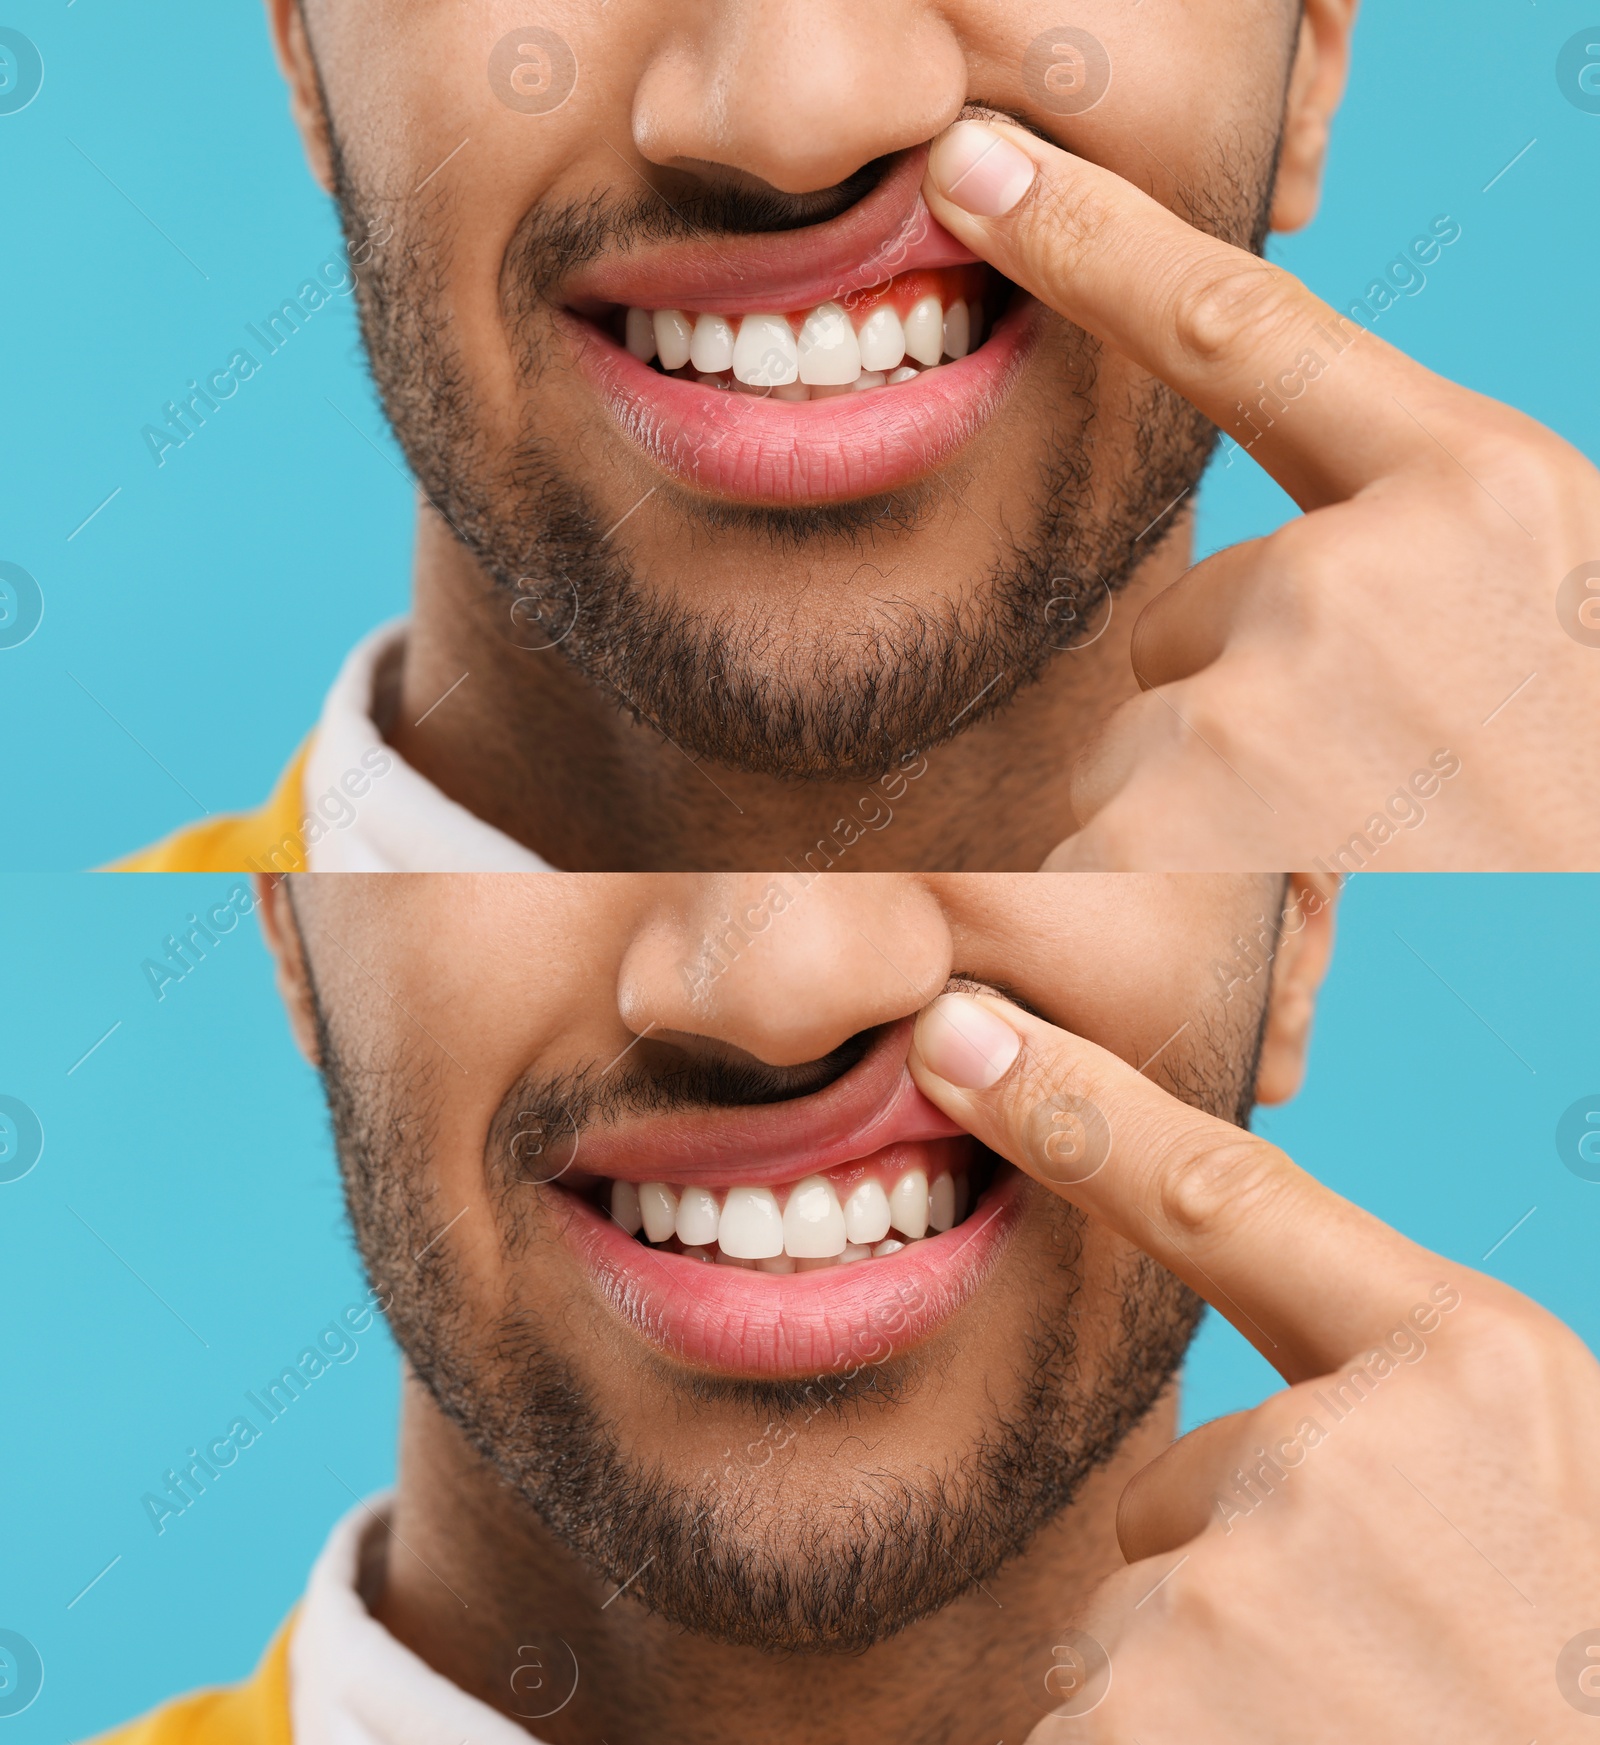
{"points": [[957, 331], [866, 1212], [828, 350], [673, 332], [941, 1203], [711, 344], [765, 354], [625, 1207], [908, 1204], [882, 339], [697, 1217], [641, 334], [924, 330], [813, 1224], [658, 1207], [752, 1225]]}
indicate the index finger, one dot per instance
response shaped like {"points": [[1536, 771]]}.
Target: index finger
{"points": [[1309, 393], [1308, 1278]]}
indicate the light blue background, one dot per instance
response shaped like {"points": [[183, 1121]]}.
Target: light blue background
{"points": [[1460, 1021], [192, 627]]}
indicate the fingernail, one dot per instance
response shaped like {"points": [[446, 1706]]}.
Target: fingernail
{"points": [[964, 1043], [978, 170]]}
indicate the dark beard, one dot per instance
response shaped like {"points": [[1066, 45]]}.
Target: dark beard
{"points": [[760, 688], [728, 1555]]}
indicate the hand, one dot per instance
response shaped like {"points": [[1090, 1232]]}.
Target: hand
{"points": [[1402, 1545], [1390, 680]]}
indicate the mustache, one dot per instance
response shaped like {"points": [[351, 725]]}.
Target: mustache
{"points": [[557, 240]]}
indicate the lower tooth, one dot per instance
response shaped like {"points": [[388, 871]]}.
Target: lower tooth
{"points": [[778, 1263], [706, 381], [905, 373], [869, 379], [887, 1247]]}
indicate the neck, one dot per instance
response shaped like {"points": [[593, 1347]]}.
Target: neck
{"points": [[530, 746], [471, 1582]]}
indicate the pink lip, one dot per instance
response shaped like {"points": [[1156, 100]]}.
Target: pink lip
{"points": [[770, 451], [756, 1324], [889, 232], [873, 1105]]}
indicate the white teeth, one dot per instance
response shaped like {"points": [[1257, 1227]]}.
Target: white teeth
{"points": [[957, 331], [924, 328], [811, 1230], [673, 332], [625, 1207], [882, 339], [697, 1218], [908, 1204], [866, 1212], [813, 1224], [641, 335], [829, 354], [658, 1208], [752, 1225], [711, 344], [764, 353], [941, 1204]]}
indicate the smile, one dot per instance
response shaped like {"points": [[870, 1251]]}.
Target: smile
{"points": [[845, 359], [842, 1227]]}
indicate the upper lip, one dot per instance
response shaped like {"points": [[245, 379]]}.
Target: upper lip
{"points": [[890, 231], [873, 1105]]}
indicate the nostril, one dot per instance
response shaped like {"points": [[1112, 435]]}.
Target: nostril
{"points": [[719, 199]]}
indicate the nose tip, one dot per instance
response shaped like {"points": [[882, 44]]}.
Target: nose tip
{"points": [[784, 970], [802, 97]]}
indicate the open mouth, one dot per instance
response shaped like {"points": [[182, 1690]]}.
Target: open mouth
{"points": [[866, 1210], [881, 337], [844, 359], [838, 1227]]}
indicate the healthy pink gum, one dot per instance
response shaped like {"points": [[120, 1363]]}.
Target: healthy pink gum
{"points": [[935, 1157], [949, 284]]}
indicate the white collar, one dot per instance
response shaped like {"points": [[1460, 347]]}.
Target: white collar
{"points": [[367, 809], [352, 1683]]}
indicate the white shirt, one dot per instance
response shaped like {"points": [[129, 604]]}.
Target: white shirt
{"points": [[367, 809], [352, 1683]]}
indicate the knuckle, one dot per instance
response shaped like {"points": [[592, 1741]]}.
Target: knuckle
{"points": [[1222, 314], [1227, 1180]]}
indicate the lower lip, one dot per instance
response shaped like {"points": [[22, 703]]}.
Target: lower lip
{"points": [[777, 452], [741, 1323]]}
